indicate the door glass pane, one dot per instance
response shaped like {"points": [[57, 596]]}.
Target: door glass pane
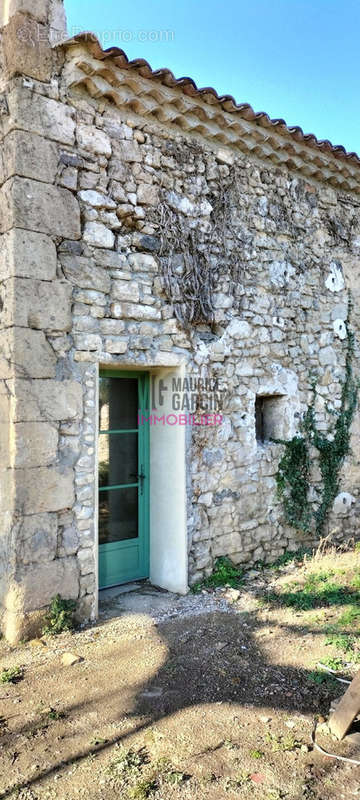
{"points": [[118, 515], [118, 458], [118, 403]]}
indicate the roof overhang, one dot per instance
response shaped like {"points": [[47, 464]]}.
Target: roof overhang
{"points": [[134, 87]]}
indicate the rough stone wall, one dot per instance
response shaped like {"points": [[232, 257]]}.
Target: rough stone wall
{"points": [[36, 481], [7, 549], [277, 317], [114, 231], [42, 20]]}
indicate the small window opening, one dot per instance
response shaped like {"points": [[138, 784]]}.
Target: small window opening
{"points": [[268, 417]]}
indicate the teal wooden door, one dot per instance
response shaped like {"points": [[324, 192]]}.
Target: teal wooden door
{"points": [[123, 477]]}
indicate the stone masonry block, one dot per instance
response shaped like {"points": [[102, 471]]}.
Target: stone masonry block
{"points": [[36, 538], [42, 581], [6, 561], [127, 151], [4, 440], [6, 490], [36, 304], [86, 560], [26, 48], [132, 311], [26, 254], [44, 489], [39, 207], [227, 544], [125, 290], [46, 400], [41, 10], [148, 195], [143, 262], [28, 155], [47, 117], [57, 20], [26, 353], [5, 394], [98, 235], [83, 273], [37, 8], [115, 345], [35, 444], [92, 139], [87, 341]]}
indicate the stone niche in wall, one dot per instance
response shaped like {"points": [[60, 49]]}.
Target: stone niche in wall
{"points": [[270, 418]]}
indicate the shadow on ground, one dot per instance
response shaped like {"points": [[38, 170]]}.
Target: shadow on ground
{"points": [[167, 655]]}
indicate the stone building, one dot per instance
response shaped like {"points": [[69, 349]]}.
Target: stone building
{"points": [[164, 253]]}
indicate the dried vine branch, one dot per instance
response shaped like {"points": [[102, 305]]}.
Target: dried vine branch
{"points": [[195, 253]]}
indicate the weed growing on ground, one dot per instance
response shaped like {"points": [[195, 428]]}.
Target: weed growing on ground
{"points": [[256, 754], [282, 744], [230, 745], [165, 772], [60, 616], [328, 588], [241, 779], [11, 675], [320, 678], [350, 615], [319, 590], [144, 786], [344, 642], [175, 777], [96, 740], [55, 715], [143, 789], [333, 662], [225, 572], [128, 762], [286, 558]]}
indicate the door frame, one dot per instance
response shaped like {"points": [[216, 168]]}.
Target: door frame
{"points": [[168, 479], [143, 378]]}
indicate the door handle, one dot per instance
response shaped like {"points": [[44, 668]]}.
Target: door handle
{"points": [[141, 477]]}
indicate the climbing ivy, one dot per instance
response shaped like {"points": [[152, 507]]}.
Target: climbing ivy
{"points": [[293, 476], [293, 482]]}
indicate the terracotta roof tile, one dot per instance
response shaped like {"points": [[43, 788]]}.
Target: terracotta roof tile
{"points": [[208, 95]]}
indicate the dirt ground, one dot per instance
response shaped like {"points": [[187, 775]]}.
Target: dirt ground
{"points": [[206, 697]]}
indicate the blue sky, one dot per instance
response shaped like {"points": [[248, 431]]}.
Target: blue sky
{"points": [[294, 59]]}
